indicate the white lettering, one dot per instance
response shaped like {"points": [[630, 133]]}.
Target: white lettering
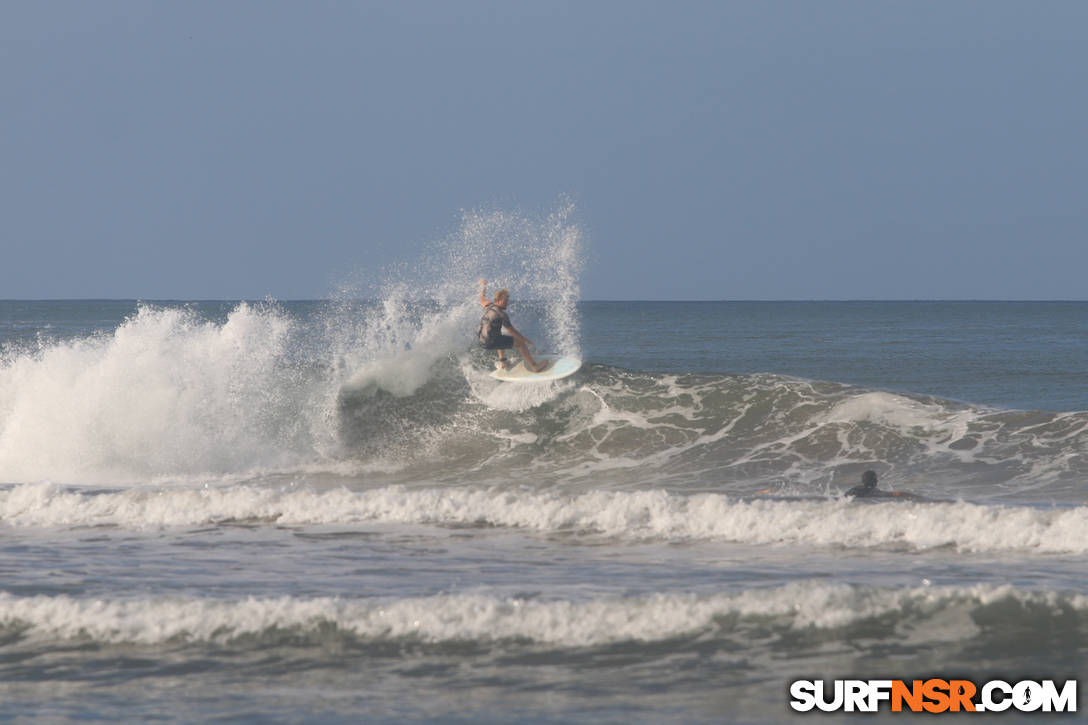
{"points": [[834, 704], [1027, 696], [879, 690], [1066, 701], [856, 696], [803, 693], [992, 705]]}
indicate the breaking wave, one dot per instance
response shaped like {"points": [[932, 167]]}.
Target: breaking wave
{"points": [[641, 515], [170, 397], [963, 613], [375, 394]]}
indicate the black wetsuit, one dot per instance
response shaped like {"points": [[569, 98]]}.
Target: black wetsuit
{"points": [[491, 324], [871, 491], [863, 491]]}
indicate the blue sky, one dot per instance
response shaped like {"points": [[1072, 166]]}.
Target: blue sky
{"points": [[714, 150]]}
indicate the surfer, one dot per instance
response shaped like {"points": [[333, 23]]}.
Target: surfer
{"points": [[492, 324], [867, 489]]}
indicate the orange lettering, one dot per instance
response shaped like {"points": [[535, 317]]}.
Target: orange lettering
{"points": [[912, 696], [961, 693], [937, 691]]}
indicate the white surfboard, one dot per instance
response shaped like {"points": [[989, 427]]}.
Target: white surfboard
{"points": [[556, 370]]}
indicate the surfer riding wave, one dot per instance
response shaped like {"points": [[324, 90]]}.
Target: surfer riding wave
{"points": [[494, 320]]}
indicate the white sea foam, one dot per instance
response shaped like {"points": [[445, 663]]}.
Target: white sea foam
{"points": [[170, 396], [901, 412], [517, 398], [484, 618], [165, 393], [640, 515]]}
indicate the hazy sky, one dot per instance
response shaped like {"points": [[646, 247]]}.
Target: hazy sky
{"points": [[714, 150]]}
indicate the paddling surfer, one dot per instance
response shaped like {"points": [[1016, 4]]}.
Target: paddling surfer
{"points": [[491, 327], [867, 489]]}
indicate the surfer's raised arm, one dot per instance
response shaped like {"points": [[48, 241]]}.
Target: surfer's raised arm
{"points": [[483, 293]]}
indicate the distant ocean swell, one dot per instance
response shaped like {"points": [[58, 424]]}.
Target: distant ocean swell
{"points": [[633, 516]]}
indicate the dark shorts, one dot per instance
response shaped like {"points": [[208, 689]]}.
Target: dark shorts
{"points": [[500, 342]]}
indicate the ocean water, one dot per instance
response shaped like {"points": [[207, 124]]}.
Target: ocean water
{"points": [[327, 511]]}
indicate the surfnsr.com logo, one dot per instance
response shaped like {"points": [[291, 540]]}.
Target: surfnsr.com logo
{"points": [[933, 696]]}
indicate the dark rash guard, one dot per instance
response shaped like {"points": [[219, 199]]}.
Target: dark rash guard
{"points": [[491, 324]]}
